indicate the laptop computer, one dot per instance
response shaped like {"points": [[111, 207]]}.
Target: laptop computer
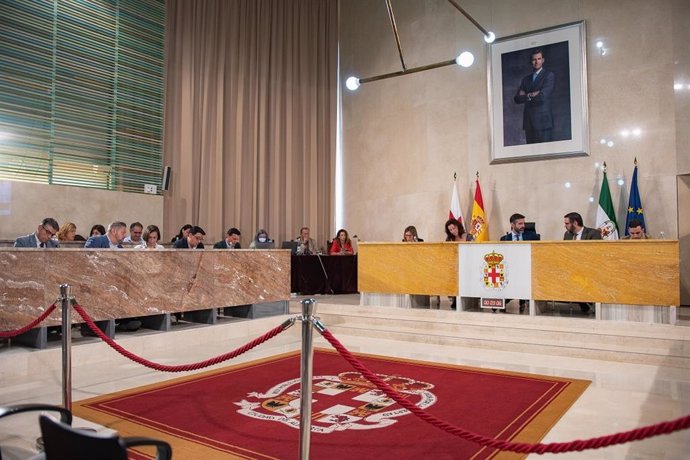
{"points": [[264, 245], [291, 245]]}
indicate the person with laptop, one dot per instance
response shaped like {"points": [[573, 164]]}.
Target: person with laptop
{"points": [[261, 241]]}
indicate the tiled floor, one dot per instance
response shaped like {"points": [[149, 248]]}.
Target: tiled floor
{"points": [[622, 396]]}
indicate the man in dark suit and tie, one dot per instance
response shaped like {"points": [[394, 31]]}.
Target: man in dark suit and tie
{"points": [[535, 92], [231, 241], [517, 233], [575, 229], [517, 230], [112, 238], [195, 239], [42, 237]]}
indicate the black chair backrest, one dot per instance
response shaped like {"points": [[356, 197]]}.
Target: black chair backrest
{"points": [[62, 442]]}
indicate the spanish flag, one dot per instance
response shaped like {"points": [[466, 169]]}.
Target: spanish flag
{"points": [[479, 228]]}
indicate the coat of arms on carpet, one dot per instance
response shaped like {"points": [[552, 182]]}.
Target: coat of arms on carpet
{"points": [[346, 401]]}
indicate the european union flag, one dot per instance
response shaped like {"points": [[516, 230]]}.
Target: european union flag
{"points": [[635, 210]]}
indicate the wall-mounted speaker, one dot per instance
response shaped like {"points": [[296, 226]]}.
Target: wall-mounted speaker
{"points": [[165, 182]]}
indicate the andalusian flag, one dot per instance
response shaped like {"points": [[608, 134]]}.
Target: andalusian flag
{"points": [[606, 216], [634, 203], [455, 209], [479, 228]]}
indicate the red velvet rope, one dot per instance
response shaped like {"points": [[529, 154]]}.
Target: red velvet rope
{"points": [[28, 327], [525, 448], [181, 367]]}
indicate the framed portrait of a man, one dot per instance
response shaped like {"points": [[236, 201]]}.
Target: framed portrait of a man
{"points": [[538, 94]]}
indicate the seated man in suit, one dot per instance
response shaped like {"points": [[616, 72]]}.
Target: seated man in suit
{"points": [[112, 238], [195, 239], [42, 237], [305, 245], [517, 230], [517, 233], [576, 230], [231, 241]]}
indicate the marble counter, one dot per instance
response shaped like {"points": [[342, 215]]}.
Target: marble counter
{"points": [[130, 282]]}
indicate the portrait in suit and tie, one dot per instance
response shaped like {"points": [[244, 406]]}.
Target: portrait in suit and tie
{"points": [[540, 101], [538, 94]]}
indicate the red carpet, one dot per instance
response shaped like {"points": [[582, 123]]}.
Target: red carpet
{"points": [[252, 410]]}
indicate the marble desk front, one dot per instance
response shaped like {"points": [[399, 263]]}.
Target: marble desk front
{"points": [[130, 282]]}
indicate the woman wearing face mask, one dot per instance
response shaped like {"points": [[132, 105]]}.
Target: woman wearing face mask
{"points": [[261, 240]]}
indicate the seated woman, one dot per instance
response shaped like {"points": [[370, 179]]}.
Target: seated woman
{"points": [[97, 230], [260, 240], [341, 244], [455, 231], [67, 232], [184, 233], [410, 234], [151, 237]]}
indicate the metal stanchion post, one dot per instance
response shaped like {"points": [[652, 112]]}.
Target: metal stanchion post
{"points": [[66, 297], [306, 372]]}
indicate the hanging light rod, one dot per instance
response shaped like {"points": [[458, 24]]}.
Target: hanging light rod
{"points": [[395, 32], [465, 59], [489, 37]]}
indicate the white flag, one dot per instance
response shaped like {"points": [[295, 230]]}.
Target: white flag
{"points": [[455, 209]]}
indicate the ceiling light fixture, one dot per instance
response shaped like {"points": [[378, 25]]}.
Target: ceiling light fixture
{"points": [[465, 59]]}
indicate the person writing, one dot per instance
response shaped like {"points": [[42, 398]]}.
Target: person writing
{"points": [[535, 93], [341, 244], [231, 241], [455, 231], [410, 235], [636, 231], [42, 237], [151, 237]]}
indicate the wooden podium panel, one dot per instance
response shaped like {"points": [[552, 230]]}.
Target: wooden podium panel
{"points": [[408, 268], [644, 272]]}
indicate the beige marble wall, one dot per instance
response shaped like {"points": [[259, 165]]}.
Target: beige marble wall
{"points": [[23, 205], [131, 282], [403, 138]]}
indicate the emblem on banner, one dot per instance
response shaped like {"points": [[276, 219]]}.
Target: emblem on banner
{"points": [[494, 271], [346, 401], [607, 229]]}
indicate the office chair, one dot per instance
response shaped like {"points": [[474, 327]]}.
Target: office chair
{"points": [[62, 442]]}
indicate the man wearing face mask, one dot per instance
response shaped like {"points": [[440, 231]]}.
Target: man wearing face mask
{"points": [[261, 241]]}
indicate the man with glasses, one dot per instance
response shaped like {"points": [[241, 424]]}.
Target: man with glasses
{"points": [[43, 237], [195, 239]]}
